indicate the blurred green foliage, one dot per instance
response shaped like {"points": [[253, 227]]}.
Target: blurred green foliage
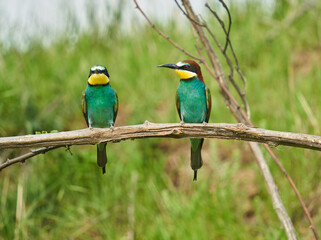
{"points": [[148, 188]]}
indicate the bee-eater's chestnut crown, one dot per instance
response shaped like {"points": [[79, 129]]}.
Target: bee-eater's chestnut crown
{"points": [[186, 69]]}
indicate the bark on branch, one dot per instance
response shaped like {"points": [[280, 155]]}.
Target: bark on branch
{"points": [[171, 130]]}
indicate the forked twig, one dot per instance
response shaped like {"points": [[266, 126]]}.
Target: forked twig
{"points": [[229, 25], [229, 62], [163, 35], [186, 15], [227, 33]]}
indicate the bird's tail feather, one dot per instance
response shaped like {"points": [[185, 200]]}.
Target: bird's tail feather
{"points": [[196, 156], [102, 156]]}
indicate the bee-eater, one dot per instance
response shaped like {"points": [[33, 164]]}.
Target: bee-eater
{"points": [[193, 103], [100, 106]]}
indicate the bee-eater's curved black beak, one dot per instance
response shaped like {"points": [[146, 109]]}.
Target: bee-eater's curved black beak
{"points": [[172, 66]]}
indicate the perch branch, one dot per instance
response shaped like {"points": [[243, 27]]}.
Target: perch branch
{"points": [[239, 131], [170, 130]]}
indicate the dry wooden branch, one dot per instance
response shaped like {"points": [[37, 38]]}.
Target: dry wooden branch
{"points": [[26, 156], [51, 141], [170, 130]]}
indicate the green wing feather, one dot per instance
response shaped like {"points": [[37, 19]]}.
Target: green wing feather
{"points": [[178, 106], [84, 107], [208, 102], [116, 107]]}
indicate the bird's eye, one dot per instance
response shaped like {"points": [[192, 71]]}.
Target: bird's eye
{"points": [[185, 67]]}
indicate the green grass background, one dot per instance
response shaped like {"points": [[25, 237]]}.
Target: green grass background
{"points": [[148, 189]]}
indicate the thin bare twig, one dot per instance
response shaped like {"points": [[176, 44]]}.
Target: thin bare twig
{"points": [[227, 33], [296, 191], [186, 15], [26, 156], [163, 35], [229, 62], [240, 92], [237, 67], [229, 25], [273, 191]]}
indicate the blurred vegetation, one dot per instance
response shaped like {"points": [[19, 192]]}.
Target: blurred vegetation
{"points": [[63, 195]]}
